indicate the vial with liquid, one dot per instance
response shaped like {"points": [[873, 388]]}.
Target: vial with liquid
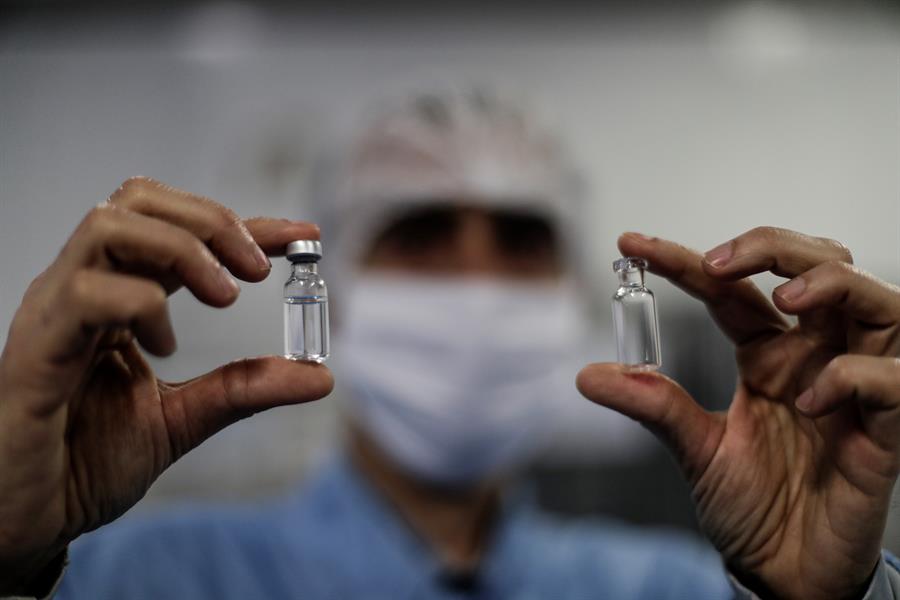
{"points": [[634, 316], [305, 304]]}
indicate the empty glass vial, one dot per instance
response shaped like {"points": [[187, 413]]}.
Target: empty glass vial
{"points": [[305, 304], [634, 315]]}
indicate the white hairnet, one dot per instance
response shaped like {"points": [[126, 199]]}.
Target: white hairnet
{"points": [[457, 147]]}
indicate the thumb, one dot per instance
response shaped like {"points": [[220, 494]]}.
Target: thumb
{"points": [[198, 408], [661, 405]]}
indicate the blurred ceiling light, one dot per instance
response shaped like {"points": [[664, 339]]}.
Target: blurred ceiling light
{"points": [[760, 36], [222, 32]]}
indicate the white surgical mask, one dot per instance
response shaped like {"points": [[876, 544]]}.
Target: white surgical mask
{"points": [[454, 377]]}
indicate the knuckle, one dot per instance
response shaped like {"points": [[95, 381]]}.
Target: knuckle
{"points": [[224, 215], [840, 369], [35, 286], [138, 183], [153, 298], [764, 233], [193, 254], [22, 322], [156, 295], [132, 190], [99, 220], [193, 246], [840, 250], [236, 378], [79, 287], [763, 238], [836, 269]]}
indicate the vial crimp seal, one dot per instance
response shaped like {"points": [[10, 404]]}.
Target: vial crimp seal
{"points": [[634, 317], [306, 329]]}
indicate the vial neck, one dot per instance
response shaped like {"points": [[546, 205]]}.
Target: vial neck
{"points": [[300, 268], [631, 277]]}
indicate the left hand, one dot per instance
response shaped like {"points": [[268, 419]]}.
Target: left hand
{"points": [[793, 482]]}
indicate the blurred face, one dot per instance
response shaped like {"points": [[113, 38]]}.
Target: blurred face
{"points": [[452, 360], [454, 240]]}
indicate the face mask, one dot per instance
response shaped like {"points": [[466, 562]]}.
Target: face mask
{"points": [[453, 377]]}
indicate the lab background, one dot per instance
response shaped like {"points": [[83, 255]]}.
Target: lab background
{"points": [[693, 124]]}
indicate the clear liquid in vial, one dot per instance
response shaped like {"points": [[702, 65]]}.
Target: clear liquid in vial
{"points": [[306, 328], [637, 330]]}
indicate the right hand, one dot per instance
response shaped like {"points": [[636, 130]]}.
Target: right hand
{"points": [[85, 425]]}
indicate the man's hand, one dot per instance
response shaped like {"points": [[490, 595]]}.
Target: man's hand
{"points": [[85, 426], [793, 483]]}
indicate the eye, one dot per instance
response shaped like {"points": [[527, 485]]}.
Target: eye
{"points": [[525, 237], [419, 232]]}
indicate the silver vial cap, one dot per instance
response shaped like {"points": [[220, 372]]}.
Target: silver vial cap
{"points": [[629, 263], [304, 251]]}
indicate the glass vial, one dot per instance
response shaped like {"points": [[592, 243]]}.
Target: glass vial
{"points": [[634, 315], [305, 304]]}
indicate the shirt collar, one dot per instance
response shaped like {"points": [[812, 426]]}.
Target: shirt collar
{"points": [[404, 555]]}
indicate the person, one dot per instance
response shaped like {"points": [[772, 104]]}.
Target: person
{"points": [[792, 484]]}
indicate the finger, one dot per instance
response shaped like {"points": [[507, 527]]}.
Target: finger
{"points": [[96, 299], [216, 226], [845, 287], [659, 404], [273, 235], [870, 382], [782, 251], [740, 309], [199, 408], [114, 238]]}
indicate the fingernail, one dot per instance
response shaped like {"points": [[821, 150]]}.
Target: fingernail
{"points": [[639, 236], [228, 282], [262, 261], [720, 255], [804, 401], [792, 289]]}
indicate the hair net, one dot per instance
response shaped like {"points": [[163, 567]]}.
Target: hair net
{"points": [[457, 147]]}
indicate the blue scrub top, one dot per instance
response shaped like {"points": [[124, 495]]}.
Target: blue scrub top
{"points": [[338, 539]]}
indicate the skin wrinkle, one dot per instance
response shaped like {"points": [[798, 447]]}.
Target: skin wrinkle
{"points": [[752, 544], [779, 240], [76, 502], [234, 376], [757, 385], [820, 592], [702, 471], [780, 498], [767, 540], [837, 531], [8, 531], [231, 221], [854, 401], [849, 557], [839, 469], [176, 443], [761, 336], [767, 546], [885, 337], [731, 543], [163, 453]]}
